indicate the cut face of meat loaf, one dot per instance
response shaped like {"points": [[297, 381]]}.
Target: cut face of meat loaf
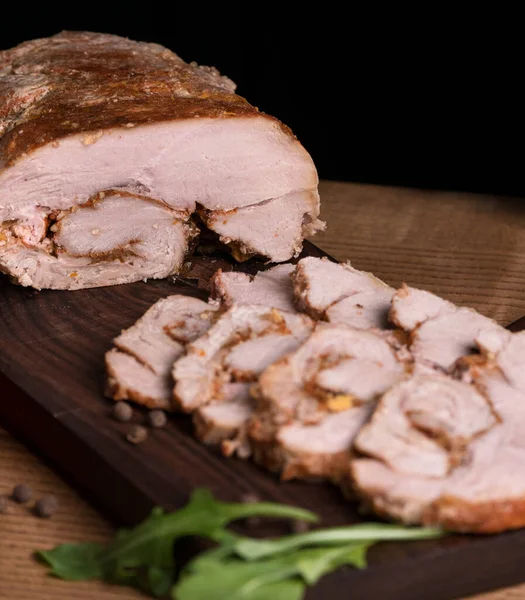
{"points": [[139, 367], [84, 113], [114, 238], [340, 294], [312, 403], [459, 462], [213, 380]]}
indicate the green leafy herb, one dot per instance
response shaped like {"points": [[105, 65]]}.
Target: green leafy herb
{"points": [[283, 577], [239, 568], [75, 561], [143, 557]]}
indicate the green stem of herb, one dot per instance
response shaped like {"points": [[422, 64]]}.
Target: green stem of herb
{"points": [[256, 549]]}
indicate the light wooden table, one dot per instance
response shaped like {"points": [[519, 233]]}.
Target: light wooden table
{"points": [[470, 249]]}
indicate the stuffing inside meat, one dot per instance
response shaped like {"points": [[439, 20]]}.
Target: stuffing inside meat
{"points": [[312, 403]]}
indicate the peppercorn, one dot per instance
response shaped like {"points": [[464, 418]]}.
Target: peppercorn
{"points": [[22, 493], [157, 418], [137, 434], [122, 412], [46, 506]]}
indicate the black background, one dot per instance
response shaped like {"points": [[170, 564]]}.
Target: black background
{"points": [[427, 100]]}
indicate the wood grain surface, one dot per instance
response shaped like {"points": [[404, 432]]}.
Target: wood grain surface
{"points": [[467, 248]]}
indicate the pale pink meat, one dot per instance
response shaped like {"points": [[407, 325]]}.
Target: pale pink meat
{"points": [[458, 464], [440, 332], [139, 366], [269, 288], [82, 114], [236, 349], [311, 403], [340, 294]]}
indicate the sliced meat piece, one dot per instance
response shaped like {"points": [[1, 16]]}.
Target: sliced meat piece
{"points": [[412, 307], [275, 228], [340, 294], [269, 288], [128, 379], [311, 403], [364, 309], [248, 359], [483, 491], [220, 421], [440, 332], [509, 348], [363, 378], [196, 374], [235, 350], [423, 425], [493, 341], [322, 451], [160, 335], [139, 367], [84, 113], [388, 493]]}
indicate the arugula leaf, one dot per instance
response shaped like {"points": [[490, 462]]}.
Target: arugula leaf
{"points": [[313, 563], [230, 578], [151, 543], [239, 581], [74, 562], [143, 557], [253, 549], [279, 577], [239, 568]]}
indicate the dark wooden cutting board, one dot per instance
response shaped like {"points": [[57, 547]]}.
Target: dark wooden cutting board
{"points": [[52, 347]]}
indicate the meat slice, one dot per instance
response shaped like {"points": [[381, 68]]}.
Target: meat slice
{"points": [[440, 331], [213, 380], [312, 403], [340, 294], [509, 348], [275, 228], [83, 114], [269, 288], [458, 465], [139, 366], [223, 419], [423, 425]]}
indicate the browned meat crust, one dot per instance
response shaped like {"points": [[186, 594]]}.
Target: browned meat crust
{"points": [[483, 517], [79, 81]]}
